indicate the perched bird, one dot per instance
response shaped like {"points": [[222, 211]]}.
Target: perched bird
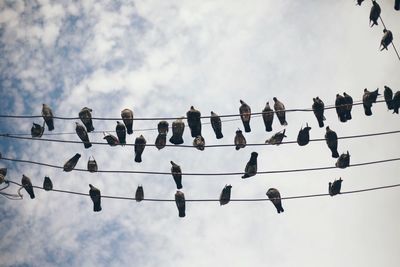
{"points": [[3, 173], [397, 5], [127, 117], [27, 184], [280, 111], [374, 14], [343, 161], [140, 144], [318, 109], [199, 142], [139, 195], [47, 115], [82, 134], [216, 125], [387, 39], [268, 117], [240, 141], [71, 163], [92, 165], [359, 2], [340, 107], [161, 141], [275, 197], [277, 138], [194, 122], [334, 188], [177, 132], [304, 136], [47, 184], [396, 102], [225, 196], [37, 130], [95, 195], [163, 127], [180, 203], [251, 166], [388, 95], [176, 174], [245, 115], [86, 117], [121, 133], [349, 105], [368, 99], [332, 141], [111, 139]]}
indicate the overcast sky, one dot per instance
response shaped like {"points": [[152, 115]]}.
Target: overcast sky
{"points": [[160, 57]]}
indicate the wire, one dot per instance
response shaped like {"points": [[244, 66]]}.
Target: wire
{"points": [[203, 174], [394, 47]]}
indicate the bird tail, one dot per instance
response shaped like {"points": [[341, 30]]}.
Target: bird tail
{"points": [[396, 110], [179, 185], [348, 115], [335, 154], [367, 111], [129, 129], [219, 135], [89, 128], [50, 124], [268, 128], [176, 140], [138, 158], [280, 209], [389, 105], [321, 123], [343, 118], [96, 207], [182, 213], [87, 144], [283, 122], [246, 125], [245, 176], [31, 193]]}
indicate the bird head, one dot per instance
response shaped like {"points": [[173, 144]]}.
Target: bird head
{"points": [[91, 186], [327, 128], [275, 99], [254, 154]]}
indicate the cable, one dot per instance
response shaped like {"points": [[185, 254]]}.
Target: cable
{"points": [[394, 47], [203, 174]]}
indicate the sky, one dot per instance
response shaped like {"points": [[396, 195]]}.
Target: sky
{"points": [[158, 58]]}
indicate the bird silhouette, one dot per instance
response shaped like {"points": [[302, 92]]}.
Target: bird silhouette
{"points": [[111, 139], [127, 117], [268, 117], [86, 117], [120, 130], [332, 141], [359, 2], [3, 173], [139, 195], [387, 39], [180, 203], [47, 115], [277, 138], [318, 109], [71, 163], [194, 122], [225, 196], [240, 141], [303, 138], [92, 165], [27, 184], [368, 99], [176, 174], [199, 142], [245, 115], [37, 130], [340, 105], [396, 102], [334, 188], [374, 13], [343, 161], [82, 134], [140, 144], [161, 141], [216, 125], [47, 184], [348, 100], [280, 111], [178, 128], [275, 197], [95, 195], [251, 166], [388, 95]]}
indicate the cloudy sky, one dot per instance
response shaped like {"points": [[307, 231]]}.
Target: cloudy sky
{"points": [[159, 58]]}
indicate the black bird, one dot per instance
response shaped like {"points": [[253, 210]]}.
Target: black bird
{"points": [[304, 136], [127, 117], [86, 117], [332, 141], [374, 14], [280, 111], [359, 2], [3, 173], [245, 115], [251, 166], [349, 105], [199, 142], [368, 99], [163, 127], [27, 184], [340, 107], [343, 161], [92, 165], [387, 39], [268, 117], [82, 134], [334, 188], [47, 184], [47, 115], [397, 5], [275, 197], [121, 133], [111, 139], [318, 109], [161, 141], [95, 195], [388, 95], [240, 141], [177, 132], [277, 138], [194, 122], [71, 163], [225, 196], [180, 203], [37, 130], [216, 125], [139, 195], [396, 102], [140, 144], [176, 174]]}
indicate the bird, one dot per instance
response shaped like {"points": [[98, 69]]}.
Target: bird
{"points": [[161, 141], [37, 130], [275, 197], [176, 174], [127, 118], [368, 99], [3, 173], [387, 39], [349, 105], [359, 2], [71, 163], [251, 166], [240, 141], [340, 107], [47, 184], [396, 102], [277, 138], [139, 195], [163, 127], [318, 109], [92, 165], [95, 195], [177, 132], [268, 117], [374, 14], [199, 142], [225, 196], [388, 95], [332, 141], [216, 125], [193, 118], [180, 203], [397, 5], [245, 115], [47, 115], [334, 188], [82, 134], [280, 111], [140, 144], [86, 117], [343, 161], [303, 138], [111, 139], [121, 133], [27, 184]]}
